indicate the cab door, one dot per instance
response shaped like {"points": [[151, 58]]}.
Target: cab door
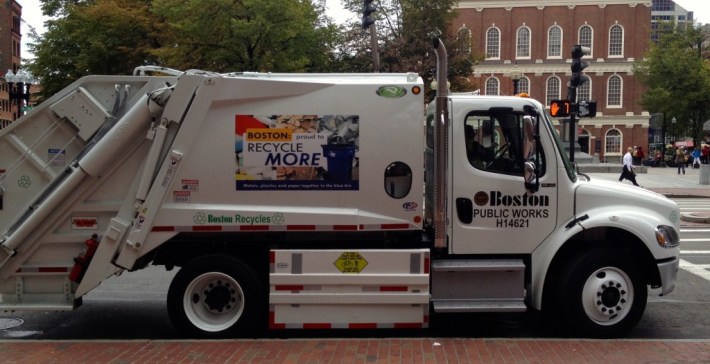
{"points": [[492, 211]]}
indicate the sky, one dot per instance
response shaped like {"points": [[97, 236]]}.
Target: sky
{"points": [[32, 15]]}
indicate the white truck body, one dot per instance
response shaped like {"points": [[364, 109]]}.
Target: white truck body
{"points": [[296, 200]]}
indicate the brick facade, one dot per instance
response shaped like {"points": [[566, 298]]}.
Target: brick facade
{"points": [[10, 37], [542, 64]]}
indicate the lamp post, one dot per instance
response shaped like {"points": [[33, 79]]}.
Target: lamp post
{"points": [[515, 76], [673, 120], [19, 88]]}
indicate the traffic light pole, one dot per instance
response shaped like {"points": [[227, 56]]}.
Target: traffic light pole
{"points": [[375, 48], [573, 98]]}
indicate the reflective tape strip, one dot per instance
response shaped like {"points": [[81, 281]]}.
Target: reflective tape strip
{"points": [[208, 228]]}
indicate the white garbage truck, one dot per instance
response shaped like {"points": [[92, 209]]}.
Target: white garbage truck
{"points": [[328, 201]]}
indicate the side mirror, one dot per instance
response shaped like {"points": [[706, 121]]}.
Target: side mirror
{"points": [[529, 142], [529, 137], [531, 182]]}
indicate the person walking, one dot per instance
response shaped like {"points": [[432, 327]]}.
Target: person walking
{"points": [[628, 168], [696, 158], [680, 159]]}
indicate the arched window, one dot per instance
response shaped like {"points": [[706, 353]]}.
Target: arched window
{"points": [[584, 92], [524, 85], [553, 89], [586, 37], [464, 40], [493, 43], [554, 42], [614, 92], [523, 43], [616, 41], [612, 141], [492, 86]]}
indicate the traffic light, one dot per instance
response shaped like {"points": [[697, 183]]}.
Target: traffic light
{"points": [[578, 65], [367, 10], [560, 108], [588, 109]]}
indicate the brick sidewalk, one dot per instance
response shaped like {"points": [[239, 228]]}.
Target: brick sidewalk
{"points": [[300, 351]]}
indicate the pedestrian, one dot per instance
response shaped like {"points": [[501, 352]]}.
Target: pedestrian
{"points": [[640, 155], [704, 154], [680, 159], [696, 158], [628, 168]]}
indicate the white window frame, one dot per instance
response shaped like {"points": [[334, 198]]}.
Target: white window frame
{"points": [[609, 90], [465, 33], [612, 42], [496, 46], [524, 85], [606, 141], [489, 84], [526, 45], [588, 86], [550, 42], [548, 96], [591, 39]]}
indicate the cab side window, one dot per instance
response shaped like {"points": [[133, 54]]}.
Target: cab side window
{"points": [[494, 142]]}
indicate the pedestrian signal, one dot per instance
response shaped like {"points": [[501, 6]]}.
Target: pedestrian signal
{"points": [[560, 108]]}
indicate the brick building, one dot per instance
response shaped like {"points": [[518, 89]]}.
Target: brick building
{"points": [[532, 39], [10, 39]]}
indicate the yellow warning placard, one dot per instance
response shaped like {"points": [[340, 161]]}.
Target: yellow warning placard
{"points": [[350, 262]]}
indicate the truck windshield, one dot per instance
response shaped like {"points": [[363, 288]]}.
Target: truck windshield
{"points": [[558, 143]]}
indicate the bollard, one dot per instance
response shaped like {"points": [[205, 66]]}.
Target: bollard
{"points": [[704, 174]]}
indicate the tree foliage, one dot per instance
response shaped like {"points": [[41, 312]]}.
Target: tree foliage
{"points": [[248, 35], [103, 37], [405, 29], [114, 36], [676, 75]]}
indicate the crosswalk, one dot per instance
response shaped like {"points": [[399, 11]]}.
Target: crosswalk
{"points": [[695, 241]]}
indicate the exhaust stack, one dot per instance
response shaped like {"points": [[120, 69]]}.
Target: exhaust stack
{"points": [[441, 145]]}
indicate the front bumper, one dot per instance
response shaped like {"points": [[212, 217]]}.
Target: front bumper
{"points": [[669, 272]]}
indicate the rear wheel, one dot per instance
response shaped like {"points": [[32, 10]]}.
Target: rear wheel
{"points": [[600, 294], [214, 296]]}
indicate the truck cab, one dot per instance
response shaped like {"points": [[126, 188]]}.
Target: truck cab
{"points": [[582, 250]]}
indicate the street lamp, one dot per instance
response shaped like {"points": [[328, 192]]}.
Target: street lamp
{"points": [[515, 75], [19, 87], [673, 122]]}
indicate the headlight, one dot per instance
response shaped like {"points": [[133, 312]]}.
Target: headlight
{"points": [[666, 236]]}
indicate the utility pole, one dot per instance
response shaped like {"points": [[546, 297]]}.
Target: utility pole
{"points": [[369, 23]]}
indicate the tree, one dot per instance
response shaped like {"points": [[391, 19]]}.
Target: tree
{"points": [[677, 78], [405, 31], [248, 35], [104, 37]]}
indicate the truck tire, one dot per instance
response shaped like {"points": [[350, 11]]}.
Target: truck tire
{"points": [[214, 296], [602, 294]]}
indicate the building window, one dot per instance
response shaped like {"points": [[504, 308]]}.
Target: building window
{"points": [[616, 41], [493, 43], [612, 140], [586, 37], [614, 92], [553, 89], [464, 40], [584, 92], [492, 86], [554, 42], [663, 5], [523, 43], [524, 85]]}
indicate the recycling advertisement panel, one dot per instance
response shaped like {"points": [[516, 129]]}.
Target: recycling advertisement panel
{"points": [[296, 152]]}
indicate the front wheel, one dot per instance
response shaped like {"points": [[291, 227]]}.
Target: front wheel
{"points": [[213, 296], [601, 294]]}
